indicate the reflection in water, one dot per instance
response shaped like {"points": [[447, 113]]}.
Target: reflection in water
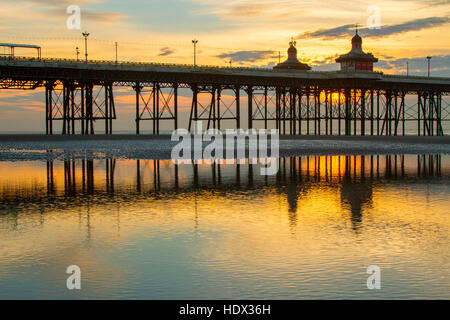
{"points": [[354, 176], [225, 225]]}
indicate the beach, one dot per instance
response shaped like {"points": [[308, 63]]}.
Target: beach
{"points": [[41, 147]]}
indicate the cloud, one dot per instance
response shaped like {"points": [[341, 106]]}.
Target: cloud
{"points": [[61, 3], [34, 109], [324, 61], [338, 32], [440, 65], [166, 51], [248, 56], [103, 17], [436, 2], [349, 29], [57, 9], [246, 10], [262, 11]]}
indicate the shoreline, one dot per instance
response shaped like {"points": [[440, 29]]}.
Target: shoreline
{"points": [[45, 148], [132, 137]]}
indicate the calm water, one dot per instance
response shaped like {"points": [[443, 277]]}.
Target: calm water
{"points": [[148, 229]]}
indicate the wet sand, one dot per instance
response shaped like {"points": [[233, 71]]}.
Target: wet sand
{"points": [[26, 147], [132, 137]]}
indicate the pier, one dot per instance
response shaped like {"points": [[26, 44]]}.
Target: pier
{"points": [[295, 102]]}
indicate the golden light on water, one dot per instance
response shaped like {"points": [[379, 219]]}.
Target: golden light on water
{"points": [[318, 214]]}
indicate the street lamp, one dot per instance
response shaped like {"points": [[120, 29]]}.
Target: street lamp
{"points": [[116, 54], [78, 52], [195, 41], [85, 35], [429, 61]]}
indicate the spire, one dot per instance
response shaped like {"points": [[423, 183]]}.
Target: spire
{"points": [[356, 40], [293, 43]]}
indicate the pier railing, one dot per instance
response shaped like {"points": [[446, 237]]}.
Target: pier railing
{"points": [[158, 64]]}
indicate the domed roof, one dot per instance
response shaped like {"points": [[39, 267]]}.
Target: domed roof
{"points": [[292, 51], [357, 53], [356, 38], [292, 62]]}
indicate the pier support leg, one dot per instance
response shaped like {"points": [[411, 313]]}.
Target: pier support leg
{"points": [[175, 105], [49, 108], [250, 107], [339, 111], [237, 91], [363, 112], [371, 113], [347, 112]]}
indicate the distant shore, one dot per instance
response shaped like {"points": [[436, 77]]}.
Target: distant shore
{"points": [[132, 137]]}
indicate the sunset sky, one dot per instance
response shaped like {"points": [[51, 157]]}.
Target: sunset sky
{"points": [[248, 32]]}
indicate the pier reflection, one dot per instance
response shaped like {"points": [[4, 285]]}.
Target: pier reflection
{"points": [[72, 184]]}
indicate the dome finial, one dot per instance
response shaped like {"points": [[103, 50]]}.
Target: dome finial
{"points": [[356, 26], [293, 43]]}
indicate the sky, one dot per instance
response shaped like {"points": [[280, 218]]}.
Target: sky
{"points": [[245, 32]]}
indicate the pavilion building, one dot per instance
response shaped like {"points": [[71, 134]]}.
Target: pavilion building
{"points": [[292, 63], [357, 60]]}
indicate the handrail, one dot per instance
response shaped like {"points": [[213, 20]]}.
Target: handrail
{"points": [[151, 64], [413, 77], [189, 66], [129, 63]]}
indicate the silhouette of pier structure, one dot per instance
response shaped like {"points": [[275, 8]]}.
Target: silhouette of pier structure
{"points": [[80, 95], [93, 176], [79, 183]]}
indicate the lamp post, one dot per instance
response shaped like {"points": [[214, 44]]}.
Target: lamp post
{"points": [[78, 53], [85, 35], [429, 63], [116, 54], [195, 41]]}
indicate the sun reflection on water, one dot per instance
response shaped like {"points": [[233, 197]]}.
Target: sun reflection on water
{"points": [[150, 229]]}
